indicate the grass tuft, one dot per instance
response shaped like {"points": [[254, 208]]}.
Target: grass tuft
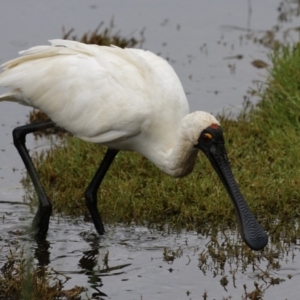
{"points": [[19, 279]]}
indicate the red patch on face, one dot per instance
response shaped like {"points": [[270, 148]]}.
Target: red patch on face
{"points": [[214, 126]]}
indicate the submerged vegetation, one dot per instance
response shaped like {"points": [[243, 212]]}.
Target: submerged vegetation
{"points": [[263, 146], [20, 280]]}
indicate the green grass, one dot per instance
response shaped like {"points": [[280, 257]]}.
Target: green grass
{"points": [[19, 279], [263, 145]]}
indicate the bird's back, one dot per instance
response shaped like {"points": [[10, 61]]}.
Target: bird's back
{"points": [[100, 94]]}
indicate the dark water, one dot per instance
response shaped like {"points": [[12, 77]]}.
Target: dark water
{"points": [[197, 37]]}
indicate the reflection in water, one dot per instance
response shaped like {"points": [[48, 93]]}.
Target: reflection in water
{"points": [[89, 259], [88, 262], [42, 253], [136, 262]]}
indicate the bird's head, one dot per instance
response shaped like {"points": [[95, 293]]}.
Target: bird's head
{"points": [[195, 123], [205, 133]]}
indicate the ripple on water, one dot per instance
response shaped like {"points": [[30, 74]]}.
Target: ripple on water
{"points": [[137, 262]]}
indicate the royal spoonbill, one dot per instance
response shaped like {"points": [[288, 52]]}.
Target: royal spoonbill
{"points": [[126, 99]]}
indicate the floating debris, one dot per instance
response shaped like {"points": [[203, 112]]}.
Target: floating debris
{"points": [[260, 64]]}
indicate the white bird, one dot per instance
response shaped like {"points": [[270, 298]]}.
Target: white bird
{"points": [[126, 99]]}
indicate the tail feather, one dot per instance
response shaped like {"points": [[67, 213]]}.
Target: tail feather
{"points": [[14, 96]]}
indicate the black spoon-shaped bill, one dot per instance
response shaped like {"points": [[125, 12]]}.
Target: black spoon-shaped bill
{"points": [[211, 142]]}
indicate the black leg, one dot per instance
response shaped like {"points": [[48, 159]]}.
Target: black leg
{"points": [[91, 191], [41, 219]]}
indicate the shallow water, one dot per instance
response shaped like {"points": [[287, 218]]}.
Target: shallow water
{"points": [[197, 38], [136, 266]]}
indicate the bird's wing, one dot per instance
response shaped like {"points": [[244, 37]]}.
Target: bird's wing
{"points": [[96, 93]]}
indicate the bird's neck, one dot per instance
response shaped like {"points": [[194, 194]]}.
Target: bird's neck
{"points": [[177, 160], [181, 160]]}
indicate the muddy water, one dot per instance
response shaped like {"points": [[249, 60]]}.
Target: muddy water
{"points": [[199, 38]]}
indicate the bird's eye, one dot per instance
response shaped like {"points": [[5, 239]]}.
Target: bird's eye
{"points": [[207, 137]]}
